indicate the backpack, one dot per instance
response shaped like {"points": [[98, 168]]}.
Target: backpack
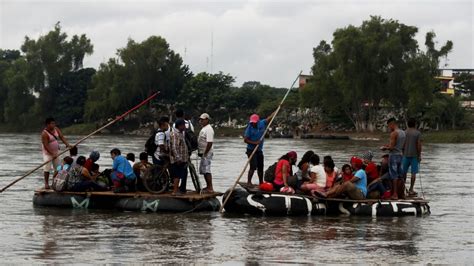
{"points": [[269, 175], [150, 145], [191, 140], [60, 181]]}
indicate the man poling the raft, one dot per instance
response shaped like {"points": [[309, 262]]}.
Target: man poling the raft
{"points": [[80, 141], [255, 149]]}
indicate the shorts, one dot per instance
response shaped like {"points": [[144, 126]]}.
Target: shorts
{"points": [[179, 171], [205, 164], [54, 163], [411, 162], [395, 166], [257, 160]]}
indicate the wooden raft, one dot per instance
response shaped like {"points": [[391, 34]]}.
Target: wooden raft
{"points": [[190, 195]]}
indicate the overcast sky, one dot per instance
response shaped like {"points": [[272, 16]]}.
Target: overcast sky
{"points": [[267, 41]]}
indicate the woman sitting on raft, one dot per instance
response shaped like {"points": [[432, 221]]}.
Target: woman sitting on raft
{"points": [[317, 182], [302, 175], [80, 179], [283, 171], [331, 171]]}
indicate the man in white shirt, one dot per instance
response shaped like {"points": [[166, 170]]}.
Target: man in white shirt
{"points": [[205, 150], [162, 141]]}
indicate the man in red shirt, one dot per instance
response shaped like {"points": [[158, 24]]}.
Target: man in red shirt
{"points": [[370, 167], [373, 181]]}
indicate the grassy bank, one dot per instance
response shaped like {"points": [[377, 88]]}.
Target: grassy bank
{"points": [[79, 129], [451, 136]]}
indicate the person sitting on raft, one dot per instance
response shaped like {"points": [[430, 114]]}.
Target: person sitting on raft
{"points": [[140, 169], [80, 179], [375, 188], [122, 174], [131, 158], [356, 188], [283, 171], [331, 171], [65, 165], [302, 175], [317, 175], [347, 173], [93, 157]]}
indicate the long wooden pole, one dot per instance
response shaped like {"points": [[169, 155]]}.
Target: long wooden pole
{"points": [[81, 140], [256, 146]]}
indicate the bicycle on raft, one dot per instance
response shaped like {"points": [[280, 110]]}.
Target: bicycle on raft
{"points": [[157, 179]]}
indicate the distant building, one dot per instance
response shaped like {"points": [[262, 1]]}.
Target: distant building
{"points": [[303, 79], [447, 76], [447, 80]]}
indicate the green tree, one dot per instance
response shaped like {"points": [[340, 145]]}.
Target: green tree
{"points": [[19, 99], [7, 57], [375, 64], [207, 92], [50, 59], [139, 70]]}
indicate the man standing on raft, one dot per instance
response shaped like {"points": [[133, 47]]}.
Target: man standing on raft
{"points": [[50, 147], [253, 134]]}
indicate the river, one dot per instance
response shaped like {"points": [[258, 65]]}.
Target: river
{"points": [[48, 235]]}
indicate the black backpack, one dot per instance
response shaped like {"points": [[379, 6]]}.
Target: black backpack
{"points": [[269, 175], [150, 145], [191, 140]]}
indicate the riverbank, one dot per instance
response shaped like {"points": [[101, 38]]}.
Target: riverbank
{"points": [[448, 136]]}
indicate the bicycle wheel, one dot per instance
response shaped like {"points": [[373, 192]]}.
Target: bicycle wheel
{"points": [[156, 179]]}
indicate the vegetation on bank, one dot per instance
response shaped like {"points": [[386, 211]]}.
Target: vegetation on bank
{"points": [[363, 69], [449, 136]]}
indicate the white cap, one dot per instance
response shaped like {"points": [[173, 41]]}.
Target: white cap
{"points": [[204, 116]]}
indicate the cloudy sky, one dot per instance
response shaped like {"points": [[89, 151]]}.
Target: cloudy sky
{"points": [[268, 41]]}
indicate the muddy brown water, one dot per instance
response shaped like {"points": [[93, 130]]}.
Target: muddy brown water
{"points": [[49, 235]]}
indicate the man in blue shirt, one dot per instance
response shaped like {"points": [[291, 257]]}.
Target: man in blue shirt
{"points": [[253, 133], [122, 174], [356, 188]]}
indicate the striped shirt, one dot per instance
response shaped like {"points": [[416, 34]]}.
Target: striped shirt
{"points": [[179, 150]]}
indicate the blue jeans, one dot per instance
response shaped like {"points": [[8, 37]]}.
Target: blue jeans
{"points": [[395, 166]]}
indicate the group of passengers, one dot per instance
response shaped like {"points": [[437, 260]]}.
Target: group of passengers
{"points": [[171, 150], [361, 178]]}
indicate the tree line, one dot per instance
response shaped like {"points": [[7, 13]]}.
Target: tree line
{"points": [[377, 65], [365, 68]]}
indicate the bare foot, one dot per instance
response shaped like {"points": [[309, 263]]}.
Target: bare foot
{"points": [[47, 186]]}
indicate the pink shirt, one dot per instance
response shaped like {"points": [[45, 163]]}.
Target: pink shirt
{"points": [[278, 172], [53, 144]]}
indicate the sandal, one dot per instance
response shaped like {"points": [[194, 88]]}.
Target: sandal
{"points": [[412, 193], [206, 190]]}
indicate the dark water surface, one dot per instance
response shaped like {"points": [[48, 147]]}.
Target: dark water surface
{"points": [[47, 235]]}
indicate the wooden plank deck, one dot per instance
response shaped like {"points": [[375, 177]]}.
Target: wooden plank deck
{"points": [[255, 189], [190, 195]]}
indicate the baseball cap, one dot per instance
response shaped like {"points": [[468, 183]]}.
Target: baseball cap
{"points": [[204, 116], [254, 118]]}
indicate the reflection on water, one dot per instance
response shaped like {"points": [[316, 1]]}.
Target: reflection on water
{"points": [[45, 235]]}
